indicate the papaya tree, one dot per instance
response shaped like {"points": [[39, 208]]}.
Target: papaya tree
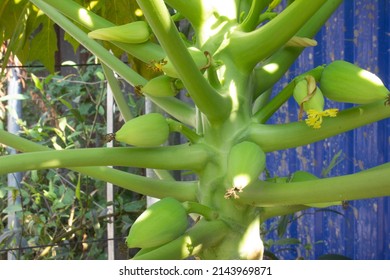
{"points": [[237, 52]]}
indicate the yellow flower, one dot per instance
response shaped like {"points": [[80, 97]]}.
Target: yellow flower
{"points": [[314, 118]]}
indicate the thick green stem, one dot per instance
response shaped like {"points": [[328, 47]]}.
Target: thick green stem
{"points": [[117, 93], [183, 191], [215, 106], [281, 60], [273, 137], [202, 235], [261, 43], [193, 157], [362, 185]]}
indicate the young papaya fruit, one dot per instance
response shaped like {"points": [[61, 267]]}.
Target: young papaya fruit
{"points": [[308, 95], [160, 86], [134, 32], [161, 223], [245, 163], [311, 100], [144, 131], [343, 81]]}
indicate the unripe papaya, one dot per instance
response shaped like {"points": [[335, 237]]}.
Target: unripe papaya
{"points": [[197, 55], [160, 86], [309, 96], [161, 223], [310, 99], [144, 131], [246, 161], [342, 81], [134, 32]]}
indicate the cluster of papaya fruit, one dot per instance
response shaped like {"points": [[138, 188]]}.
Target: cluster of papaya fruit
{"points": [[340, 81]]}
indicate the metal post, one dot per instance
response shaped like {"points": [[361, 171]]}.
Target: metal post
{"points": [[13, 179], [109, 186], [150, 108]]}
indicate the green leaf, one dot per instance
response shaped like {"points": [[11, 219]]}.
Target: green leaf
{"points": [[12, 208], [134, 206], [68, 197], [335, 160], [283, 224], [10, 12], [78, 189], [14, 97], [37, 82], [46, 40], [288, 241], [18, 36]]}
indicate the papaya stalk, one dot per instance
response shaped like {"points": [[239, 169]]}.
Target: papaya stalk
{"points": [[227, 69]]}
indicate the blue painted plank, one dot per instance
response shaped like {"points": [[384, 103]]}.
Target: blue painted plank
{"points": [[358, 32]]}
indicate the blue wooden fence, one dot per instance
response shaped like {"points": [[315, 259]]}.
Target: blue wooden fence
{"points": [[358, 32]]}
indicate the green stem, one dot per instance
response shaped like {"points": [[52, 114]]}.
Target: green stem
{"points": [[267, 16], [182, 191], [180, 110], [203, 210], [269, 136], [252, 20], [265, 113], [261, 43], [261, 101], [163, 174], [145, 52], [192, 10], [192, 157], [361, 185], [117, 93], [202, 235], [175, 126], [286, 56], [215, 106]]}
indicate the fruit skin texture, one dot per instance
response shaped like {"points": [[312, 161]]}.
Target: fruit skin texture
{"points": [[161, 86], [144, 131], [342, 81], [161, 223], [134, 33], [246, 161]]}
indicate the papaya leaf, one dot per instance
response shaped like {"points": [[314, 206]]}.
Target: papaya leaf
{"points": [[45, 39]]}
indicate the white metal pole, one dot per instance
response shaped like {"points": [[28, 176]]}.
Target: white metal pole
{"points": [[13, 179], [109, 186]]}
